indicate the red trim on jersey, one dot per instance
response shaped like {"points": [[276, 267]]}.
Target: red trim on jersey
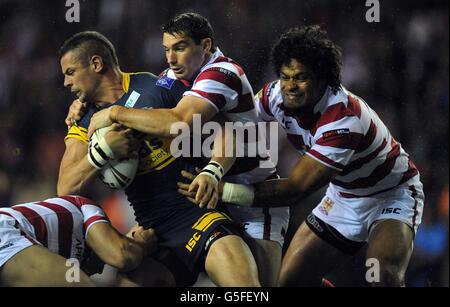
{"points": [[267, 224], [414, 194], [40, 228], [265, 99], [79, 201], [379, 173], [217, 99], [245, 104], [336, 112], [357, 164], [65, 227], [368, 139], [410, 173], [354, 106], [350, 140], [325, 159], [93, 219], [8, 214], [221, 75], [228, 60]]}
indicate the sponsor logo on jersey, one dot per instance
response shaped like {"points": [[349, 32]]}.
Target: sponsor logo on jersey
{"points": [[131, 101], [335, 133], [165, 82], [224, 71]]}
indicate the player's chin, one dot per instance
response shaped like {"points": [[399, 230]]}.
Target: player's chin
{"points": [[292, 104]]}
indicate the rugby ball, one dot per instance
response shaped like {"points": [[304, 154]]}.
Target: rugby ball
{"points": [[116, 173]]}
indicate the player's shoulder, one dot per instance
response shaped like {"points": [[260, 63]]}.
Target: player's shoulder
{"points": [[143, 76], [345, 101], [167, 81], [270, 93], [272, 88]]}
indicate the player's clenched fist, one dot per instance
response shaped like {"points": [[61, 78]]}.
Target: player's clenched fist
{"points": [[76, 111]]}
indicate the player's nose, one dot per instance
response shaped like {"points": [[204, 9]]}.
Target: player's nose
{"points": [[291, 85], [171, 57], [67, 82]]}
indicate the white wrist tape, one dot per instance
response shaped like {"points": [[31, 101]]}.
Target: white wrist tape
{"points": [[99, 153], [214, 170], [239, 194]]}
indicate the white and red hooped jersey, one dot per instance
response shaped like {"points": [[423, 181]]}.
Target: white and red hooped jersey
{"points": [[59, 224], [223, 83], [345, 134]]}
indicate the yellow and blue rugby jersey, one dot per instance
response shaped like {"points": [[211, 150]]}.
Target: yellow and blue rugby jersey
{"points": [[153, 193]]}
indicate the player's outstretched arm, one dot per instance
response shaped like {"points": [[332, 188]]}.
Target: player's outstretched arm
{"points": [[155, 122], [118, 250], [307, 176]]}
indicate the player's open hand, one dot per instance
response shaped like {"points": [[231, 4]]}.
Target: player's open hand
{"points": [[99, 120], [202, 191], [76, 111]]}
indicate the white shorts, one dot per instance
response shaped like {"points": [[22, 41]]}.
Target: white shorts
{"points": [[12, 241], [262, 223], [353, 217]]}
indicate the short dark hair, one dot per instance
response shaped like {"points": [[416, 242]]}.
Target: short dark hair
{"points": [[90, 43], [191, 24], [311, 46]]}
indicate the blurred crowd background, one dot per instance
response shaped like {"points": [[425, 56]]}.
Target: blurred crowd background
{"points": [[400, 66]]}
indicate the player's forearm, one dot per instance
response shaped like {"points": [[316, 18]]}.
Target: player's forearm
{"points": [[131, 255], [266, 194], [74, 178], [155, 122], [223, 151]]}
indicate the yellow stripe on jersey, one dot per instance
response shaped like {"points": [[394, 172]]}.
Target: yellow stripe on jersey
{"points": [[208, 219], [78, 133], [126, 81]]}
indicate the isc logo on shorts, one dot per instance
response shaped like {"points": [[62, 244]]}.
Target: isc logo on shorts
{"points": [[391, 210], [203, 224]]}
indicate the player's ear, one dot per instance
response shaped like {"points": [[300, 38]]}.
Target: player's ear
{"points": [[207, 44], [97, 63]]}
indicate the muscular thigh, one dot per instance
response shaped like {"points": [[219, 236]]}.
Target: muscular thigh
{"points": [[307, 259], [391, 243], [267, 255], [37, 266]]}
